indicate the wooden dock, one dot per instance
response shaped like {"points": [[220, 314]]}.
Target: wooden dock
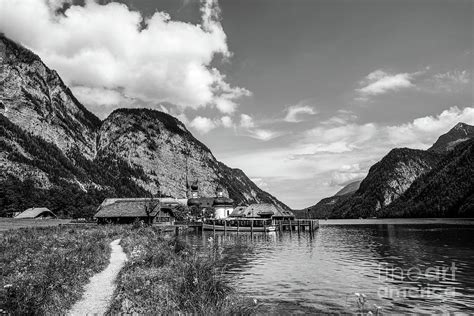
{"points": [[253, 225], [297, 225]]}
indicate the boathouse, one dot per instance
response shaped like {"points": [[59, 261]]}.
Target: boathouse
{"points": [[36, 213], [125, 211]]}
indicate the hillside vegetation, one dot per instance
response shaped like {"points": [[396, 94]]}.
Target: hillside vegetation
{"points": [[446, 191]]}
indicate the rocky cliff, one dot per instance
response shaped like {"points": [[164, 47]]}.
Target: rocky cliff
{"points": [[50, 144], [458, 134], [35, 98], [446, 191]]}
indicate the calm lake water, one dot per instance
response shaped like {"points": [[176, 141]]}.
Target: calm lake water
{"points": [[415, 266]]}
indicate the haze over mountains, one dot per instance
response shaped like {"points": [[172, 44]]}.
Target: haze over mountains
{"points": [[54, 152]]}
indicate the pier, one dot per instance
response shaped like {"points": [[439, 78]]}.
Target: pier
{"points": [[297, 224], [252, 225]]}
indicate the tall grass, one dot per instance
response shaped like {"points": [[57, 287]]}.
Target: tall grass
{"points": [[166, 275], [44, 270]]}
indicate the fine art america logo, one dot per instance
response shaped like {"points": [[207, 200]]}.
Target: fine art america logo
{"points": [[428, 282]]}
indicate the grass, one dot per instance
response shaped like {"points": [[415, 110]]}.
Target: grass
{"points": [[166, 275], [44, 270], [13, 223]]}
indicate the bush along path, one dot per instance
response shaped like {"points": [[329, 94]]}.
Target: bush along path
{"points": [[100, 289]]}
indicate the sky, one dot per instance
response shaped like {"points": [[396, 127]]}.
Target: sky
{"points": [[303, 96]]}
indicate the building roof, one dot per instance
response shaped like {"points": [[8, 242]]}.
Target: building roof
{"points": [[239, 211], [35, 212], [222, 201], [132, 207], [201, 202], [162, 200], [259, 210]]}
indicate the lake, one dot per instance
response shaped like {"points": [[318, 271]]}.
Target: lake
{"points": [[400, 265]]}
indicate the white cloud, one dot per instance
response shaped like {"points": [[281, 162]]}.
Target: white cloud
{"points": [[295, 112], [262, 134], [451, 81], [260, 183], [226, 121], [422, 132], [342, 117], [246, 121], [111, 47], [347, 174], [203, 124], [380, 82], [249, 128], [102, 100], [319, 161]]}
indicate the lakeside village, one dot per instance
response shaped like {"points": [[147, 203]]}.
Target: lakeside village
{"points": [[217, 213]]}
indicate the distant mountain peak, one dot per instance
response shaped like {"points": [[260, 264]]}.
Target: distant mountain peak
{"points": [[349, 188], [458, 134], [462, 127]]}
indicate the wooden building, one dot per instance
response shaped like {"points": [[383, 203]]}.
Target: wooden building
{"points": [[36, 213], [125, 211]]}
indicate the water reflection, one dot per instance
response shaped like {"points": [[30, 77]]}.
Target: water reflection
{"points": [[321, 272]]}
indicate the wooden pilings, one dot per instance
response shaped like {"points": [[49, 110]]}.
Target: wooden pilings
{"points": [[297, 224]]}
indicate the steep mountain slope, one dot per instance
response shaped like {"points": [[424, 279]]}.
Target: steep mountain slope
{"points": [[56, 153], [35, 98], [36, 172], [388, 179], [163, 147], [350, 188], [446, 191], [446, 142]]}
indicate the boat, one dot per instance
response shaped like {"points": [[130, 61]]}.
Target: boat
{"points": [[239, 225]]}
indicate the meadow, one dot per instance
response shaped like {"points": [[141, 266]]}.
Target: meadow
{"points": [[13, 223], [44, 270]]}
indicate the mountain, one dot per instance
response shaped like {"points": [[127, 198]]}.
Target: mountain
{"points": [[391, 177], [324, 208], [162, 146], [446, 142], [55, 153], [446, 191], [35, 98], [349, 188], [386, 181]]}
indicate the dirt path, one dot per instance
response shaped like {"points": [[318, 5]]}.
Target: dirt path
{"points": [[99, 290]]}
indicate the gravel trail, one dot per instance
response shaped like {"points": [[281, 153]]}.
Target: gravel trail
{"points": [[99, 290]]}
